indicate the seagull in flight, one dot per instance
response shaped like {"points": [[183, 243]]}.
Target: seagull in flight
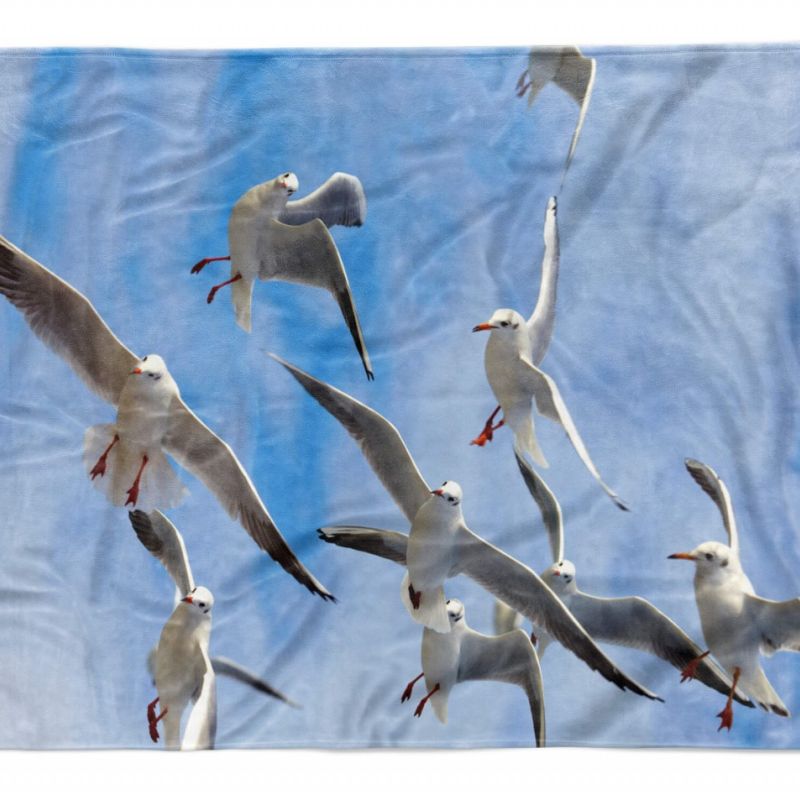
{"points": [[273, 238], [738, 625], [126, 460]]}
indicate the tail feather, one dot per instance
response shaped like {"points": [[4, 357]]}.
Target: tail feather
{"points": [[242, 294], [432, 611], [760, 690], [520, 421]]}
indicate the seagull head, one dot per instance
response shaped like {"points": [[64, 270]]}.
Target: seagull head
{"points": [[711, 559], [450, 493], [287, 182], [200, 600], [560, 577], [151, 367], [505, 320], [455, 613]]}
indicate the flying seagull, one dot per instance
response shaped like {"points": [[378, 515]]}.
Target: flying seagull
{"points": [[738, 625], [514, 351], [152, 419], [463, 654], [570, 71], [272, 238], [441, 545], [627, 621]]}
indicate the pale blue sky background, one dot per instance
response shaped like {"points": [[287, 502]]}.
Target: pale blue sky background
{"points": [[676, 335]]}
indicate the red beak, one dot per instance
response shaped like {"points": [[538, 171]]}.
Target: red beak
{"points": [[187, 599], [484, 326], [556, 572], [684, 556], [437, 491], [136, 371]]}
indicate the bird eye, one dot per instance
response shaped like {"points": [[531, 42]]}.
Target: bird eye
{"points": [[504, 324], [709, 556], [144, 359], [286, 175], [202, 605]]}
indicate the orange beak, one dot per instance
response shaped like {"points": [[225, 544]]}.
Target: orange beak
{"points": [[187, 599], [484, 326], [438, 492], [136, 371], [684, 556]]}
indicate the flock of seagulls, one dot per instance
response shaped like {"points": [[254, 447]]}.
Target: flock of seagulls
{"points": [[271, 237]]}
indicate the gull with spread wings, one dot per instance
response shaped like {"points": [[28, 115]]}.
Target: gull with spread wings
{"points": [[738, 625], [272, 238], [152, 419], [440, 544]]}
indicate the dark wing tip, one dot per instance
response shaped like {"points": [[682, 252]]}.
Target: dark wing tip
{"points": [[370, 374], [621, 504]]}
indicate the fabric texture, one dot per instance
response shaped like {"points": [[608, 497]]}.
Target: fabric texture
{"points": [[675, 337]]}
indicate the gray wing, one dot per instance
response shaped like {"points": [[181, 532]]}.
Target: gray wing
{"points": [[224, 666], [211, 460], [548, 506], [543, 319], [164, 541], [390, 545], [634, 622], [201, 727], [715, 488], [66, 322], [523, 590], [551, 405], [339, 201], [379, 440], [575, 76], [307, 254], [778, 623], [509, 658]]}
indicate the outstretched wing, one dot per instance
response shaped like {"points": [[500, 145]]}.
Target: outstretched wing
{"points": [[543, 319], [66, 322], [548, 506], [522, 589], [551, 405], [307, 254], [379, 440], [715, 488], [778, 623], [164, 541], [509, 658], [212, 461], [339, 201], [575, 76], [224, 666], [390, 545], [634, 622]]}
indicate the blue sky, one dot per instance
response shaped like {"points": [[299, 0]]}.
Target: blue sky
{"points": [[676, 336]]}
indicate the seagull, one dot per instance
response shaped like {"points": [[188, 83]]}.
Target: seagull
{"points": [[568, 69], [737, 624], [183, 670], [152, 419], [627, 621], [463, 654], [272, 238], [456, 549], [515, 349]]}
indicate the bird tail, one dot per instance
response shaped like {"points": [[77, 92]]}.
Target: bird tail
{"points": [[439, 703], [432, 611], [159, 486], [506, 619], [242, 293], [520, 421], [759, 689]]}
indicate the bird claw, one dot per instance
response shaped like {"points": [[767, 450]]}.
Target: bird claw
{"points": [[689, 672], [407, 692], [484, 437], [726, 715], [414, 596], [420, 707], [99, 469], [199, 266], [153, 719], [211, 295]]}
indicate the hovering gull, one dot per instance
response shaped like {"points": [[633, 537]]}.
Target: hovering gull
{"points": [[151, 416], [627, 621], [272, 239], [737, 623], [463, 654], [514, 351], [441, 545], [567, 69], [183, 671]]}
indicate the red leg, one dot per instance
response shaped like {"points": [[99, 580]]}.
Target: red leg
{"points": [[215, 289], [415, 596], [421, 705], [99, 469], [133, 492], [410, 688], [488, 429], [726, 715], [153, 720], [203, 261], [688, 672]]}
